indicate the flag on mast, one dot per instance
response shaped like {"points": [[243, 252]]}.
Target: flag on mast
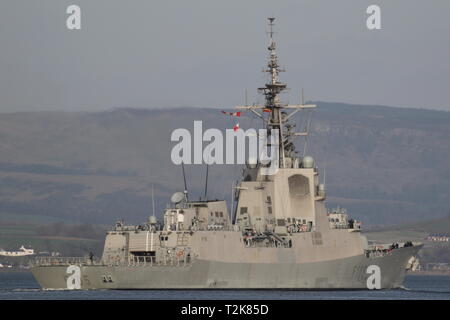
{"points": [[234, 114]]}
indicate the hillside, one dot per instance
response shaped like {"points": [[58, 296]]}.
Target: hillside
{"points": [[433, 251], [68, 240], [386, 165]]}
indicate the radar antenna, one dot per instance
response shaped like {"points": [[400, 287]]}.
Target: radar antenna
{"points": [[206, 183], [152, 221], [153, 201], [185, 184], [279, 113]]}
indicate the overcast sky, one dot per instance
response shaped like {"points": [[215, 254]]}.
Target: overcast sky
{"points": [[205, 53]]}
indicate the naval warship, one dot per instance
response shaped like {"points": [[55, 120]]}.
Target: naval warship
{"points": [[279, 234]]}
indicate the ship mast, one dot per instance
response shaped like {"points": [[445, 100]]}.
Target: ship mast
{"points": [[272, 92], [278, 112]]}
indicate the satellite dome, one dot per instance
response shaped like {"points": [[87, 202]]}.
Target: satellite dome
{"points": [[177, 197], [152, 220], [252, 162], [308, 162]]}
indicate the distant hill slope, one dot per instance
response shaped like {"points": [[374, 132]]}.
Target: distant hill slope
{"points": [[386, 165], [439, 226], [433, 251]]}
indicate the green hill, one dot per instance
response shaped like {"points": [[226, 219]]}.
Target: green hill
{"points": [[386, 165]]}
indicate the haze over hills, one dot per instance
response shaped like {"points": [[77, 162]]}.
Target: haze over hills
{"points": [[386, 165]]}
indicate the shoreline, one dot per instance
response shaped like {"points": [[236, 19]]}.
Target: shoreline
{"points": [[11, 270], [428, 273]]}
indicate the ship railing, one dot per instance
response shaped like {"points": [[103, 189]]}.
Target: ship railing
{"points": [[267, 239], [345, 226], [61, 261], [174, 259], [134, 261], [339, 226], [299, 228], [380, 250], [377, 251]]}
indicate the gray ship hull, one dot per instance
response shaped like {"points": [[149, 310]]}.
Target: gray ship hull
{"points": [[346, 273]]}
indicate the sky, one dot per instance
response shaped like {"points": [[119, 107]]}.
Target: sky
{"points": [[206, 53]]}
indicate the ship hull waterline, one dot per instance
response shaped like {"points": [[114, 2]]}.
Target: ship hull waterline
{"points": [[346, 273]]}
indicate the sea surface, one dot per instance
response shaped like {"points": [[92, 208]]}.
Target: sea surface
{"points": [[22, 286]]}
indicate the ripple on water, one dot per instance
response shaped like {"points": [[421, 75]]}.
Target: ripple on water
{"points": [[21, 285]]}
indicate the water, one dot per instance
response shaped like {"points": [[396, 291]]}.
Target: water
{"points": [[22, 286]]}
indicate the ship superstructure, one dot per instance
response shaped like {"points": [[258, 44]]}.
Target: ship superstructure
{"points": [[279, 235]]}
